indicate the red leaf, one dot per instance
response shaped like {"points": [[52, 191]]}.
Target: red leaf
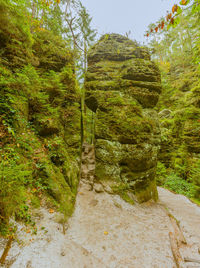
{"points": [[172, 21], [183, 2], [174, 8], [169, 16]]}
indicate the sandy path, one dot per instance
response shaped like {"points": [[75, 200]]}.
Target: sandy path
{"points": [[137, 235], [105, 231]]}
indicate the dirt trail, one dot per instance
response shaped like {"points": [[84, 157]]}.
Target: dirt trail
{"points": [[105, 231]]}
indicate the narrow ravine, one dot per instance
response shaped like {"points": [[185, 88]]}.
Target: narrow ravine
{"points": [[99, 134]]}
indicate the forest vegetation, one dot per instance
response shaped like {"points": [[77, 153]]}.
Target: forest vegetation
{"points": [[43, 52], [43, 117], [176, 49]]}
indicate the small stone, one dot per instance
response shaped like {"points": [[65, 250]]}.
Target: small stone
{"points": [[63, 253], [98, 188], [108, 189], [87, 186], [28, 265], [93, 203], [85, 251]]}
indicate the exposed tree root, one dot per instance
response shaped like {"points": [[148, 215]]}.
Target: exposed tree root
{"points": [[191, 260], [6, 250], [177, 230], [176, 237], [175, 250]]}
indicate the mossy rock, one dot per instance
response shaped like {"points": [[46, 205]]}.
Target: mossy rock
{"points": [[15, 37], [122, 86], [116, 47], [42, 104], [51, 51]]}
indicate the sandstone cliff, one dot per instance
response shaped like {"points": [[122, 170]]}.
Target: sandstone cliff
{"points": [[122, 87], [39, 120]]}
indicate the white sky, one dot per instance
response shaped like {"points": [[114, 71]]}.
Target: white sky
{"points": [[121, 16]]}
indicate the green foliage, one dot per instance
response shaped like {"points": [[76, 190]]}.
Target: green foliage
{"points": [[16, 38], [194, 176], [161, 173], [176, 51], [14, 176], [180, 186], [39, 113], [123, 190]]}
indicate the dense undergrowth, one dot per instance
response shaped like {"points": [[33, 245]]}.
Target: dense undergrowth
{"points": [[39, 120], [176, 50]]}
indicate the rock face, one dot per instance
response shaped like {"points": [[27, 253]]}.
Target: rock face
{"points": [[40, 102], [122, 87]]}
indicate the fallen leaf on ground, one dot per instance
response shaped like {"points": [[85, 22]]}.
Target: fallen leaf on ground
{"points": [[51, 210], [106, 233]]}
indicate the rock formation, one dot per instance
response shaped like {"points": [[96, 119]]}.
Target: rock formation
{"points": [[122, 87], [39, 117]]}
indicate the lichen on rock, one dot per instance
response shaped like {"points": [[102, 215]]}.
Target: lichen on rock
{"points": [[122, 86]]}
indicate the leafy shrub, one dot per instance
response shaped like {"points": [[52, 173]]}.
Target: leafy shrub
{"points": [[194, 177], [161, 173], [180, 186], [13, 178]]}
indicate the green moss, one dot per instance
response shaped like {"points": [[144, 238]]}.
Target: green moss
{"points": [[121, 85], [35, 202], [51, 51], [39, 120], [123, 191], [150, 192], [16, 38], [125, 196], [116, 47], [107, 172]]}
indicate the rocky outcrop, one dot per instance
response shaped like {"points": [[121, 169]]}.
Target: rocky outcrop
{"points": [[39, 118], [122, 87]]}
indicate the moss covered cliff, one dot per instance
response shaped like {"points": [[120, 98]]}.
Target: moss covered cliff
{"points": [[39, 120]]}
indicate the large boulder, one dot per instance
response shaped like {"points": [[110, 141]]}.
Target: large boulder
{"points": [[122, 86]]}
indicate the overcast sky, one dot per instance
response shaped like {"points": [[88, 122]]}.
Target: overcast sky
{"points": [[121, 16]]}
